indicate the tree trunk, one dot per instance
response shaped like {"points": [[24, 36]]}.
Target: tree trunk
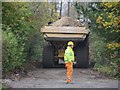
{"points": [[52, 10], [61, 8], [68, 9], [55, 6]]}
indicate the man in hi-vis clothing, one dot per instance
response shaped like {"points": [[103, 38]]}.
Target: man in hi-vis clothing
{"points": [[69, 59]]}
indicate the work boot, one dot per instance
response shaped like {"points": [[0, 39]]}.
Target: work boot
{"points": [[70, 82], [67, 82]]}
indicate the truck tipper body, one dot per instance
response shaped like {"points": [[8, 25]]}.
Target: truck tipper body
{"points": [[57, 36]]}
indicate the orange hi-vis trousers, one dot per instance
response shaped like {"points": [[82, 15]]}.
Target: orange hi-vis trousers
{"points": [[69, 66]]}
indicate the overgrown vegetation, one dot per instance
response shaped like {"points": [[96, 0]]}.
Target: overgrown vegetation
{"points": [[22, 40], [104, 22], [21, 24]]}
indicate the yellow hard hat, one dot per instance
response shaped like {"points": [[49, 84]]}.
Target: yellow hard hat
{"points": [[70, 43]]}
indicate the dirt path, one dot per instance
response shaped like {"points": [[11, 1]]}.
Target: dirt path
{"points": [[55, 78]]}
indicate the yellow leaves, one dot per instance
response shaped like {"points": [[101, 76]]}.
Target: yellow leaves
{"points": [[99, 19], [109, 19], [112, 31], [51, 5], [99, 26], [22, 18], [107, 24], [116, 21], [102, 22], [113, 46], [110, 15], [109, 4], [117, 31]]}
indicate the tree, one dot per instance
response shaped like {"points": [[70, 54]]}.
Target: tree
{"points": [[104, 22], [61, 8], [22, 39], [68, 9], [16, 28]]}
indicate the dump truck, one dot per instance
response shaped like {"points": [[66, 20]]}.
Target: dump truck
{"points": [[57, 36]]}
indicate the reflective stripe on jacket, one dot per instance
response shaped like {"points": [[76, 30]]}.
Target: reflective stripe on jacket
{"points": [[69, 55]]}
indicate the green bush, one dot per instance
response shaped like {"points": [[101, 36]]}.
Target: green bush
{"points": [[35, 48], [105, 61], [16, 28], [97, 49], [104, 35], [22, 40], [13, 52]]}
